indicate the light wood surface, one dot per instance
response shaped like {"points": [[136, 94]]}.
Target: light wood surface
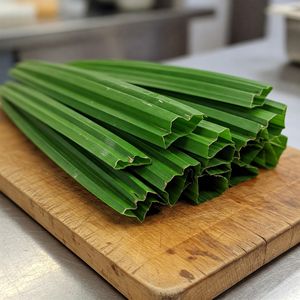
{"points": [[186, 252]]}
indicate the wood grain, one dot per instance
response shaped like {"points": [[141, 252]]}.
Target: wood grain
{"points": [[186, 252]]}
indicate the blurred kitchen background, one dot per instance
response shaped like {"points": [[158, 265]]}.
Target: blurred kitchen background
{"points": [[61, 30]]}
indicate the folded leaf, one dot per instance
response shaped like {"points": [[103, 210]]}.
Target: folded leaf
{"points": [[211, 85], [149, 116], [117, 188], [206, 140], [169, 171], [102, 143], [269, 155], [241, 172]]}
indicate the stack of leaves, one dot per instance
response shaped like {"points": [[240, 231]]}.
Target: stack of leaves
{"points": [[136, 134]]}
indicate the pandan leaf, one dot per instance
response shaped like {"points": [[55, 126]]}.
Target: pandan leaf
{"points": [[149, 116], [241, 172], [181, 133], [169, 171], [105, 145], [119, 189], [211, 85]]}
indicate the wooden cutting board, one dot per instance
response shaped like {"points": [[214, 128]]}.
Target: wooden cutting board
{"points": [[186, 252]]}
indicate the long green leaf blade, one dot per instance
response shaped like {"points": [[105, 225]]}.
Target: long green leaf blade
{"points": [[157, 119], [96, 139], [118, 189], [211, 85]]}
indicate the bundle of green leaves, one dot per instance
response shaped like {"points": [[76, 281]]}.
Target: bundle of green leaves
{"points": [[136, 134]]}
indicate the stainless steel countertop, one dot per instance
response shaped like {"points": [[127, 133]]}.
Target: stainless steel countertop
{"points": [[34, 265], [58, 30]]}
